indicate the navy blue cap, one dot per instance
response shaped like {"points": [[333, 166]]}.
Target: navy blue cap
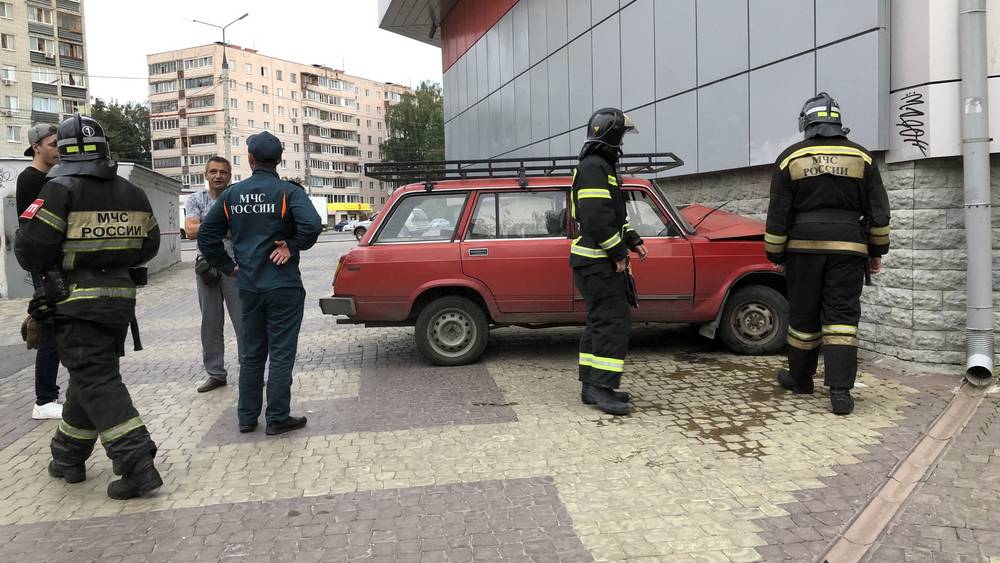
{"points": [[264, 146]]}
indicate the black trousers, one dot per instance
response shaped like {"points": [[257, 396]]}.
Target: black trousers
{"points": [[97, 402], [46, 360], [605, 339], [824, 307]]}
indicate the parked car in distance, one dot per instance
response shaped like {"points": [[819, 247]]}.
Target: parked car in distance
{"points": [[460, 256], [359, 228], [339, 227]]}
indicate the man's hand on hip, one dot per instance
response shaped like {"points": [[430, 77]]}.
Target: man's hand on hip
{"points": [[621, 265], [281, 253], [642, 252]]}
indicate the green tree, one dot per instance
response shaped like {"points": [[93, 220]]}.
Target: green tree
{"points": [[416, 126], [127, 129]]}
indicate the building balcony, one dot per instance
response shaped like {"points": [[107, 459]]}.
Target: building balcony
{"points": [[40, 28], [68, 5], [68, 35], [42, 58], [43, 88], [74, 92], [67, 62], [44, 117]]}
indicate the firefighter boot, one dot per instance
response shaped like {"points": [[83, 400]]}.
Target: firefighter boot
{"points": [[69, 456], [605, 400], [841, 401], [142, 478], [620, 396], [71, 473], [804, 387]]}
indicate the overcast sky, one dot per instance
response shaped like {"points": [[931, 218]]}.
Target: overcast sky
{"points": [[337, 33]]}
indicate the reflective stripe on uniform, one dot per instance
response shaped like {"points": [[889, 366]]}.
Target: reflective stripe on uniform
{"points": [[600, 362], [613, 241], [586, 251], [81, 293], [774, 248], [858, 247], [78, 433], [879, 231], [803, 340], [775, 239], [840, 329], [51, 219], [831, 149], [878, 240], [840, 341], [97, 245], [597, 193], [151, 223], [612, 180], [117, 431]]}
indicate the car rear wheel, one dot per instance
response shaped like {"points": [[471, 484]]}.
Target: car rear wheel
{"points": [[360, 232], [754, 321], [452, 331]]}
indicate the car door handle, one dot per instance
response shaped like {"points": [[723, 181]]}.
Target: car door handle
{"points": [[479, 252]]}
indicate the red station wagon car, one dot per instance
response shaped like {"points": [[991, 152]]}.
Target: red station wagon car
{"points": [[456, 257]]}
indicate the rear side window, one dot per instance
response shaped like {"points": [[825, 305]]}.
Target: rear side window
{"points": [[518, 215], [423, 218]]}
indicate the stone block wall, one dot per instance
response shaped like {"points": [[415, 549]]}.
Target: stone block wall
{"points": [[916, 308]]}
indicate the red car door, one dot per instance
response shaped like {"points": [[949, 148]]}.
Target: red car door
{"points": [[516, 243], [665, 280]]}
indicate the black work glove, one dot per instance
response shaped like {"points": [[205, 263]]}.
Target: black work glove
{"points": [[40, 309]]}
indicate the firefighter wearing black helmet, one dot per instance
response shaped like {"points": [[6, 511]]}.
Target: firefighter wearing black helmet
{"points": [[599, 258], [827, 222], [87, 233]]}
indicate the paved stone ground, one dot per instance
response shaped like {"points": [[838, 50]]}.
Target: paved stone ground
{"points": [[952, 517], [493, 461]]}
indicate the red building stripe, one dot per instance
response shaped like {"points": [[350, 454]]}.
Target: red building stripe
{"points": [[466, 23]]}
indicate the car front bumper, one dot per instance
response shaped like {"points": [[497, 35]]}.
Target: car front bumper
{"points": [[338, 306]]}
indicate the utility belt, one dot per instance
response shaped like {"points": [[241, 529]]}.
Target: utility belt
{"points": [[845, 216], [86, 274], [59, 286]]}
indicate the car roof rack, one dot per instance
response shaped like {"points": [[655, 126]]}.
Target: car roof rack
{"points": [[430, 171]]}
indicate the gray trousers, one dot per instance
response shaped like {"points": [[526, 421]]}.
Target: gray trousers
{"points": [[211, 299]]}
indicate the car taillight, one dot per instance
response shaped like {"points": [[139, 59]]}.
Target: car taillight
{"points": [[340, 264]]}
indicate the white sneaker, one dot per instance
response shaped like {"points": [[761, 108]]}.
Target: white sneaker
{"points": [[47, 411]]}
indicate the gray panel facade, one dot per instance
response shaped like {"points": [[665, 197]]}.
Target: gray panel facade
{"points": [[711, 81]]}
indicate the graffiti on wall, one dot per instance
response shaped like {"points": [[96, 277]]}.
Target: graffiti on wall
{"points": [[912, 123]]}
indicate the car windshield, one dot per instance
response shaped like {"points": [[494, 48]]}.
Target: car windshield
{"points": [[423, 218], [673, 210]]}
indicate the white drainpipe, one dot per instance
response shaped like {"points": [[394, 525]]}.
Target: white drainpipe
{"points": [[976, 161]]}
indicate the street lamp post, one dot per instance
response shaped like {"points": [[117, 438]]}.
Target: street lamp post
{"points": [[228, 128]]}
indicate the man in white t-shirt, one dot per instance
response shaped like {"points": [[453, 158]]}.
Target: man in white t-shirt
{"points": [[215, 290]]}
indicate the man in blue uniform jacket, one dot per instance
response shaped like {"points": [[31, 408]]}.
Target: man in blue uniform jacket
{"points": [[271, 221]]}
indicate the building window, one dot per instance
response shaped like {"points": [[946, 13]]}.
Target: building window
{"points": [[295, 95], [165, 124], [74, 106], [44, 75], [277, 75], [298, 164], [236, 160], [266, 108], [164, 144], [44, 103], [40, 45], [368, 124], [234, 121], [281, 128], [14, 133], [250, 123], [249, 86], [200, 62], [284, 165], [249, 105], [263, 90], [267, 126], [69, 22], [295, 147], [70, 50], [281, 92], [295, 112], [201, 120], [74, 79], [7, 41], [10, 103], [196, 159], [369, 140], [263, 71], [163, 68], [281, 110], [232, 84], [163, 107], [369, 155], [199, 81], [235, 141], [291, 77], [238, 177], [378, 125], [172, 162], [6, 10], [295, 129], [163, 86], [248, 69], [39, 15], [201, 102], [234, 103], [202, 140]]}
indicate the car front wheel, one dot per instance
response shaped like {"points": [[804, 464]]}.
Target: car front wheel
{"points": [[754, 321], [452, 331], [360, 232]]}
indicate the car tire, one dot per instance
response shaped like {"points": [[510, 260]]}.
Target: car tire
{"points": [[360, 232], [754, 321], [452, 331], [183, 235]]}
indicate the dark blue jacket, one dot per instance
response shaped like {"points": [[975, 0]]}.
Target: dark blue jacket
{"points": [[258, 212]]}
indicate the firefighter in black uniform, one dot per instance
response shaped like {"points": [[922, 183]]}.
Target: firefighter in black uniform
{"points": [[827, 222], [599, 258], [86, 234]]}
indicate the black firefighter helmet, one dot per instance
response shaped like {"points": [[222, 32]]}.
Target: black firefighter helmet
{"points": [[608, 125], [821, 108], [81, 138]]}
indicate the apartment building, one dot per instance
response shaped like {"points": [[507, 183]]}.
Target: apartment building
{"points": [[43, 66], [330, 123]]}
